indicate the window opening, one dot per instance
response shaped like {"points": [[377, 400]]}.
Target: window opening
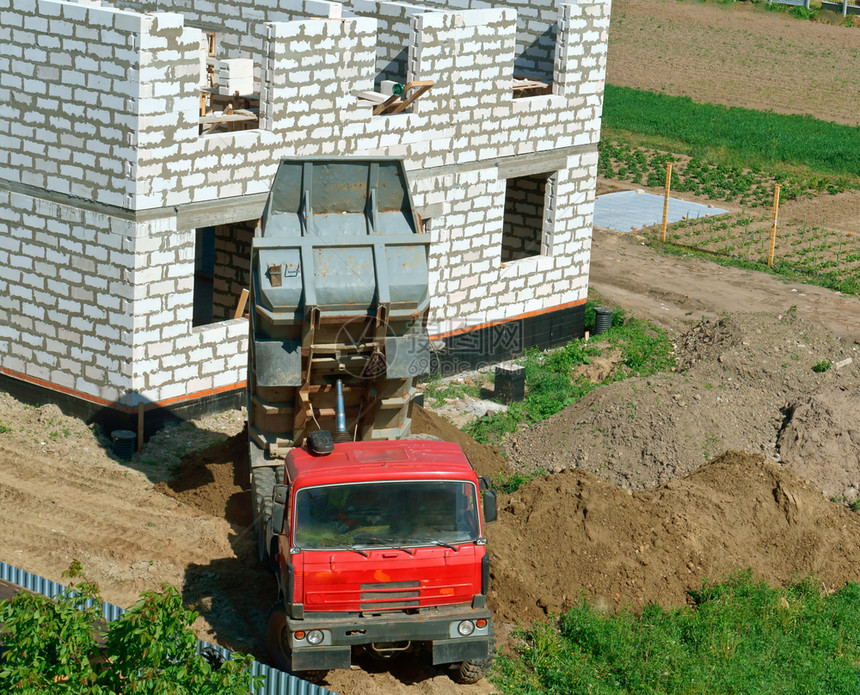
{"points": [[222, 268], [522, 228], [228, 100]]}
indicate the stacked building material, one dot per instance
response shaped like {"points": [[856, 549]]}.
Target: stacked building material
{"points": [[236, 75]]}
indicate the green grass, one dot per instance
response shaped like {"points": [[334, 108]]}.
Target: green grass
{"points": [[550, 386], [511, 482], [741, 636], [737, 136], [438, 391]]}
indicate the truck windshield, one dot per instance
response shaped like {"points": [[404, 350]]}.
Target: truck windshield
{"points": [[395, 514]]}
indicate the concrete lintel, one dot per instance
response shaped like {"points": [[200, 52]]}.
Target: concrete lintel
{"points": [[72, 201], [530, 164], [223, 211], [429, 211]]}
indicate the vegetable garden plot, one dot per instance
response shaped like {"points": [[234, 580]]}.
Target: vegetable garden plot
{"points": [[823, 256], [749, 187]]}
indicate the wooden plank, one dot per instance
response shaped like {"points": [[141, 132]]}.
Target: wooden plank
{"points": [[240, 307], [396, 103]]}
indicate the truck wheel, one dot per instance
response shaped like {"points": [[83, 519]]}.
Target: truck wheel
{"points": [[262, 485], [278, 638], [473, 670]]}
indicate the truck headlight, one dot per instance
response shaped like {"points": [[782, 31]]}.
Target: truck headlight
{"points": [[315, 636], [465, 628]]}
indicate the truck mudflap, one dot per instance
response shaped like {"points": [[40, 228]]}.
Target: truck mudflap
{"points": [[436, 628]]}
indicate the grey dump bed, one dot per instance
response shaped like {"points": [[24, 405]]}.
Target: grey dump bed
{"points": [[339, 292]]}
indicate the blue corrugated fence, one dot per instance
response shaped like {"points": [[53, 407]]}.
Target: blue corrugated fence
{"points": [[276, 682]]}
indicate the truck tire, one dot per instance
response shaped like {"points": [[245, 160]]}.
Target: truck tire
{"points": [[278, 638], [473, 670], [262, 485]]}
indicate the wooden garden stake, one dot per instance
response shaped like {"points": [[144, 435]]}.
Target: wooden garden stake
{"points": [[140, 426], [773, 227], [666, 203]]}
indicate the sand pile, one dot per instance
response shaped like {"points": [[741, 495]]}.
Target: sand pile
{"points": [[571, 532], [216, 480]]}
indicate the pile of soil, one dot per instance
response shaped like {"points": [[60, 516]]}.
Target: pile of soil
{"points": [[485, 459], [744, 382], [821, 441], [616, 548], [216, 480]]}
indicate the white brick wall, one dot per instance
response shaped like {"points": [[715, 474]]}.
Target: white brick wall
{"points": [[98, 302]]}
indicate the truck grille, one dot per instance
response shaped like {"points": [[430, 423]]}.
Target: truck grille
{"points": [[389, 595]]}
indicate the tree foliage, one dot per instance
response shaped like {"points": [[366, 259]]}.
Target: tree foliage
{"points": [[63, 646]]}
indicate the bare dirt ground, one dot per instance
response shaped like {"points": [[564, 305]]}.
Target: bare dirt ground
{"points": [[677, 291], [745, 382], [737, 55]]}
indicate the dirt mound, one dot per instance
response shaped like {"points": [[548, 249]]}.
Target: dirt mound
{"points": [[484, 459], [737, 377], [738, 511], [821, 442], [216, 480], [707, 340]]}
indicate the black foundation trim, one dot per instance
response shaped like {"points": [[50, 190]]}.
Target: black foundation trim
{"points": [[487, 346]]}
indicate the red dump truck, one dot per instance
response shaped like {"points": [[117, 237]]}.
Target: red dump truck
{"points": [[376, 536]]}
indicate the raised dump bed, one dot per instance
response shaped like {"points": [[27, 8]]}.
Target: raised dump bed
{"points": [[339, 293]]}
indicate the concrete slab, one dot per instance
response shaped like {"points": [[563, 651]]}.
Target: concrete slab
{"points": [[625, 211]]}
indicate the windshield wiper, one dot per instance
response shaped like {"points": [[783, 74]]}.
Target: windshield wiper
{"points": [[356, 550], [383, 544], [446, 545]]}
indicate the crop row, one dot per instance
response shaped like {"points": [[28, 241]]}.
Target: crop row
{"points": [[812, 253], [749, 186]]}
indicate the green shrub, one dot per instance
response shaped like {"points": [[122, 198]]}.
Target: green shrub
{"points": [[53, 646], [822, 366]]}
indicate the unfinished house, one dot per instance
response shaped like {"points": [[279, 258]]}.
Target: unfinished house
{"points": [[138, 141]]}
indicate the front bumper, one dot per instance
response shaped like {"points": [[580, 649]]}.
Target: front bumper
{"points": [[436, 627]]}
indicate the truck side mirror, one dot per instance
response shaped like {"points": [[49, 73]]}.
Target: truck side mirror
{"points": [[490, 506], [279, 508]]}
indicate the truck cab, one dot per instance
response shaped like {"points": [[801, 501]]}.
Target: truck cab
{"points": [[381, 547]]}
